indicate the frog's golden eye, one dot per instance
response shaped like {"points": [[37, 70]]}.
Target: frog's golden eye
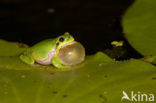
{"points": [[61, 39]]}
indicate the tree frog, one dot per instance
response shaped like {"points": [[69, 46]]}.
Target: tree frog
{"points": [[117, 43], [45, 52]]}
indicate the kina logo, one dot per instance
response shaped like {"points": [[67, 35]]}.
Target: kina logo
{"points": [[138, 96]]}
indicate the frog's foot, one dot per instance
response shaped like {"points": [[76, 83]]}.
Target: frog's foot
{"points": [[56, 63], [27, 59]]}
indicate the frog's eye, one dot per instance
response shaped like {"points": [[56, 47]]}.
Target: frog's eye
{"points": [[61, 39]]}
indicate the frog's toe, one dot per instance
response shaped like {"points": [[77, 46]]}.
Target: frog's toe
{"points": [[27, 59]]}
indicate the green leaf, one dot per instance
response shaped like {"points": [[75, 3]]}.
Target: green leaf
{"points": [[139, 26], [98, 79], [11, 48]]}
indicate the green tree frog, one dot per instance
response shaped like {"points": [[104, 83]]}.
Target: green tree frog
{"points": [[117, 43], [62, 52]]}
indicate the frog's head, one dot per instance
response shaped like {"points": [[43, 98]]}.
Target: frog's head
{"points": [[68, 51], [63, 40]]}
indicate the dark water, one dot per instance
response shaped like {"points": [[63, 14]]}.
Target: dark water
{"points": [[94, 23]]}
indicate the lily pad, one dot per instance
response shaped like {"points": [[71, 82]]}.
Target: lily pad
{"points": [[11, 48], [139, 26], [99, 79]]}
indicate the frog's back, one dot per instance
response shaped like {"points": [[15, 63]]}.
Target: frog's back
{"points": [[41, 49]]}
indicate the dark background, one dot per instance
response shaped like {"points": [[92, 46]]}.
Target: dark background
{"points": [[94, 23]]}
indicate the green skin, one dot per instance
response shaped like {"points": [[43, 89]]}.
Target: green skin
{"points": [[45, 52], [117, 43]]}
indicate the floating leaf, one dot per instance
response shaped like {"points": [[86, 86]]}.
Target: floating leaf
{"points": [[11, 48], [139, 26], [98, 79]]}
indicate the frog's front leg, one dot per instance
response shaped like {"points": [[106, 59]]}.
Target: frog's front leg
{"points": [[27, 58], [57, 63]]}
